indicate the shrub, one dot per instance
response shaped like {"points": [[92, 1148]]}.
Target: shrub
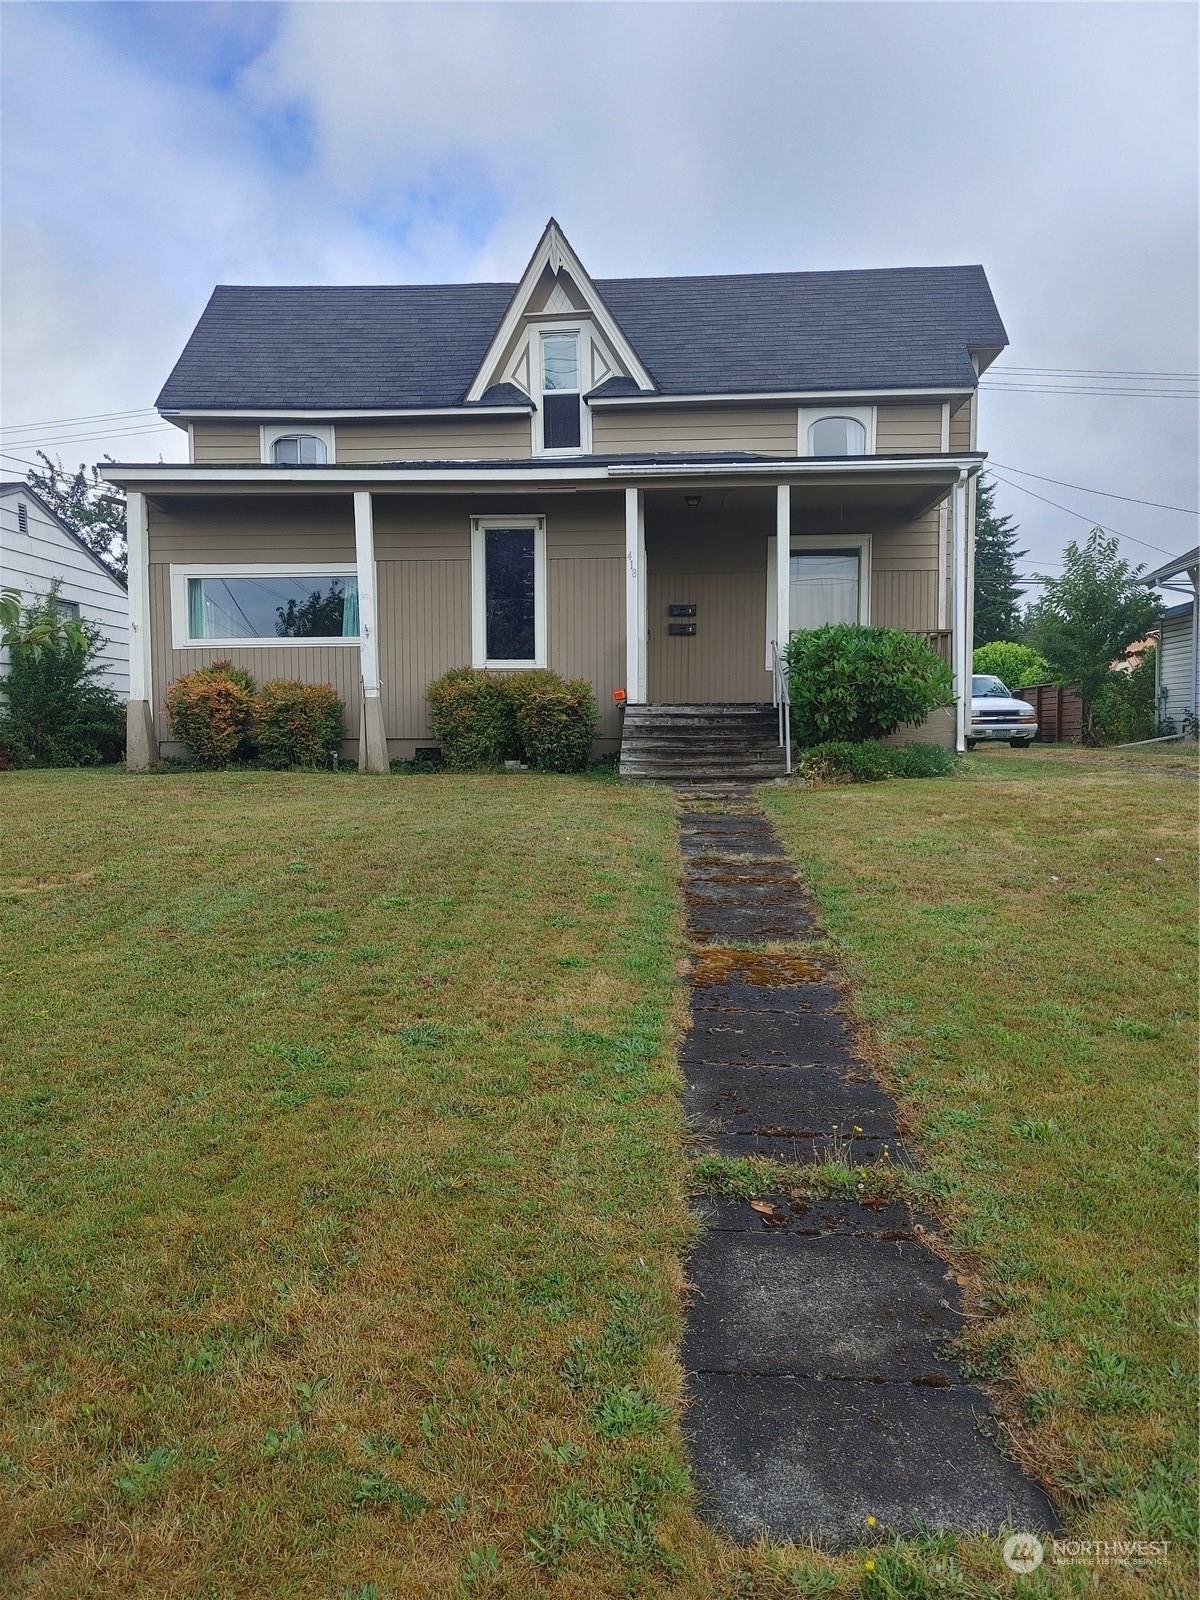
{"points": [[297, 724], [53, 710], [556, 720], [211, 712], [473, 718], [1016, 665], [850, 683], [870, 762], [1125, 708]]}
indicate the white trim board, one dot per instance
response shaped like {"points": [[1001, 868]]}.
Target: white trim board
{"points": [[182, 640], [807, 415], [479, 655]]}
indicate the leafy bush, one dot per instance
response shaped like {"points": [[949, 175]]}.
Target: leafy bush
{"points": [[211, 712], [473, 718], [1125, 708], [556, 720], [1016, 665], [854, 683], [483, 719], [871, 762], [297, 724], [53, 711]]}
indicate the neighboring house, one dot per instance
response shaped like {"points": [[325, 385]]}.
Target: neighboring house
{"points": [[1177, 665], [645, 482], [36, 547]]}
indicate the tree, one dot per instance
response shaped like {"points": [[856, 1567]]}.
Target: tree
{"points": [[318, 617], [54, 711], [997, 600], [91, 508], [1015, 664], [1087, 618]]}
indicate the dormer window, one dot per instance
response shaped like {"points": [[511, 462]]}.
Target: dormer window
{"points": [[561, 394], [837, 436], [299, 450]]}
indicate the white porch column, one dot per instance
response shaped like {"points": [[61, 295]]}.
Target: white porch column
{"points": [[141, 744], [372, 741], [783, 566], [960, 621], [635, 597]]}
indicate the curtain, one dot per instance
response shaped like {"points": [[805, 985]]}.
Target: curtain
{"points": [[197, 611], [350, 610]]}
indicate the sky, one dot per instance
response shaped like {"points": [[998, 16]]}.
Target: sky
{"points": [[150, 151]]}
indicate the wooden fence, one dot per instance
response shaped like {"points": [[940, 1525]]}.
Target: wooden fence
{"points": [[1059, 714]]}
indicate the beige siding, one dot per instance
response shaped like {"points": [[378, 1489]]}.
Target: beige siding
{"points": [[765, 430], [240, 530], [908, 430], [904, 572], [960, 428], [471, 438], [226, 442]]}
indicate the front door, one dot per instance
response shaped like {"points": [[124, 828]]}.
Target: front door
{"points": [[715, 655]]}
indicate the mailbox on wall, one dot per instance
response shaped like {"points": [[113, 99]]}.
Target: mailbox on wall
{"points": [[681, 611], [681, 630]]}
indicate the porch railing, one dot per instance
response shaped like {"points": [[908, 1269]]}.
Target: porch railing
{"points": [[939, 640], [781, 695]]}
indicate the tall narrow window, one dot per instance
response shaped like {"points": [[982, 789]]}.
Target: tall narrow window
{"points": [[824, 589], [561, 394], [508, 592]]}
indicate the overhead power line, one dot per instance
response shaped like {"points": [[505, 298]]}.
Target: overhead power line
{"points": [[1098, 372], [1131, 394], [1083, 517], [95, 416], [1107, 493]]}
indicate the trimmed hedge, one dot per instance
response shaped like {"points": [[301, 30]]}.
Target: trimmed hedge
{"points": [[852, 683], [297, 724], [482, 719], [840, 761], [219, 716]]}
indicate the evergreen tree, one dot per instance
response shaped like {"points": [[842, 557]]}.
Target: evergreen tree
{"points": [[997, 599]]}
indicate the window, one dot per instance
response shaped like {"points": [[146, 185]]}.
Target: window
{"points": [[824, 588], [68, 609], [259, 606], [508, 599], [837, 436], [561, 394], [299, 450]]}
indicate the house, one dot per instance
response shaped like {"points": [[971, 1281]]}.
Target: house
{"points": [[37, 547], [1177, 665], [645, 482]]}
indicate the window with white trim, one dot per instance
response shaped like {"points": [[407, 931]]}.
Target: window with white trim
{"points": [[561, 394], [835, 431], [824, 588], [299, 450], [508, 592], [258, 606]]}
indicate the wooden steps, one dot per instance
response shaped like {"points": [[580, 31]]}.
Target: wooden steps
{"points": [[700, 744]]}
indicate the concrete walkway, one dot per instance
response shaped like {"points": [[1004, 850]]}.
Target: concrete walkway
{"points": [[821, 1388]]}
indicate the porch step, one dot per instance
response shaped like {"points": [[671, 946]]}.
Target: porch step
{"points": [[699, 744]]}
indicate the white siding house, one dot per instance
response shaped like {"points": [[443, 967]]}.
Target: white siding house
{"points": [[1177, 667], [36, 547]]}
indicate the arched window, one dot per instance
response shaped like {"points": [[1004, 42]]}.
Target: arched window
{"points": [[299, 450], [837, 436]]}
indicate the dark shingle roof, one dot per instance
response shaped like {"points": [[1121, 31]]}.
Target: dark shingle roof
{"points": [[421, 345]]}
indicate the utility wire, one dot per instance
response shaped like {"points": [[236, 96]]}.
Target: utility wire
{"points": [[1083, 517], [95, 416], [1107, 493], [1132, 394]]}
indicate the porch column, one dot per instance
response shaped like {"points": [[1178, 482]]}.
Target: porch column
{"points": [[783, 566], [635, 597], [141, 744], [372, 741], [961, 619]]}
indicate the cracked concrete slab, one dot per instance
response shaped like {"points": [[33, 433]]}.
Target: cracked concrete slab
{"points": [[802, 1458], [761, 918], [867, 1218], [750, 1038], [785, 1103]]}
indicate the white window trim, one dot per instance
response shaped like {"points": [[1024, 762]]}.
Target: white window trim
{"points": [[821, 544], [182, 640], [582, 330], [807, 415], [479, 655], [268, 432]]}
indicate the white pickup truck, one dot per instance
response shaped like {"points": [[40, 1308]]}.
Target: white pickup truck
{"points": [[996, 713]]}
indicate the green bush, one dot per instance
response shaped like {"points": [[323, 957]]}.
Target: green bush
{"points": [[556, 720], [211, 712], [1125, 709], [841, 761], [53, 710], [474, 720], [297, 724], [1016, 665], [850, 683], [483, 719]]}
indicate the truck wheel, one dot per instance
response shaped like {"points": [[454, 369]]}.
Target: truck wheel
{"points": [[1020, 744], [970, 743]]}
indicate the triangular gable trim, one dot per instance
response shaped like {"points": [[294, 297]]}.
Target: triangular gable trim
{"points": [[554, 252]]}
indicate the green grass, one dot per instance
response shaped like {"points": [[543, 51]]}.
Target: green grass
{"points": [[343, 1202]]}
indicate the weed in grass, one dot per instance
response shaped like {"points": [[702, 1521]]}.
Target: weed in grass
{"points": [[627, 1410], [1111, 1382], [566, 1455], [421, 1035], [811, 1582], [1041, 1130], [308, 1391], [453, 1509], [743, 1177], [277, 1443], [365, 1591], [482, 1564], [1165, 1507], [143, 1477], [374, 1492]]}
